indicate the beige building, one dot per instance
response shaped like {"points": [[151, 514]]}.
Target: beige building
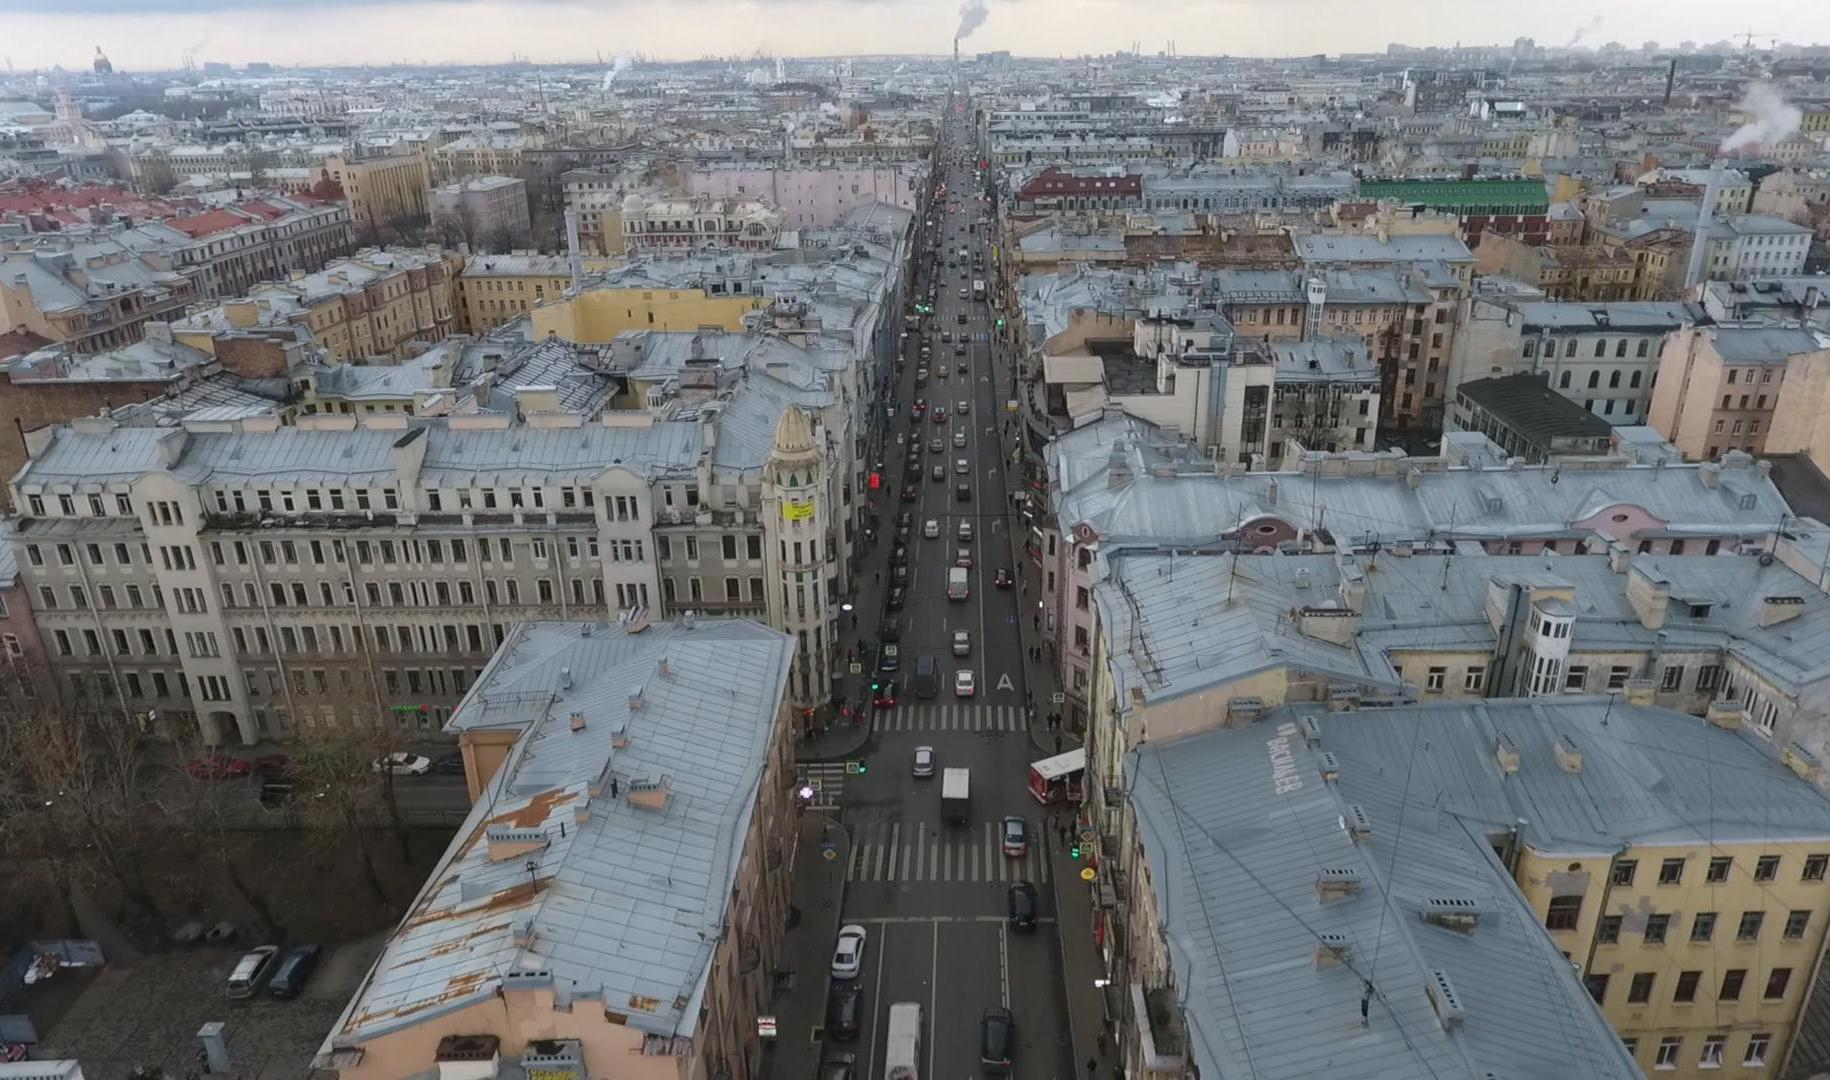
{"points": [[94, 295], [370, 307], [496, 289], [700, 221], [382, 189], [583, 742], [1566, 273], [1719, 387], [473, 155], [487, 212]]}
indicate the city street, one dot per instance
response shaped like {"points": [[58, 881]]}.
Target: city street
{"points": [[933, 896]]}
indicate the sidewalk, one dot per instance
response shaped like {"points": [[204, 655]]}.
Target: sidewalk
{"points": [[819, 896]]}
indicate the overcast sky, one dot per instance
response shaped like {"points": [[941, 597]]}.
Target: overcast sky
{"points": [[145, 34]]}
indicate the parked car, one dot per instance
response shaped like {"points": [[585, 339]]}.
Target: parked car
{"points": [[274, 767], [844, 1005], [848, 953], [1015, 833], [898, 595], [214, 766], [451, 764], [290, 973], [1022, 897], [964, 685], [839, 1066], [402, 763], [250, 972], [997, 1039], [890, 658], [924, 761], [1003, 580], [905, 521]]}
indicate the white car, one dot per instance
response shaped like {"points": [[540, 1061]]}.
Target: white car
{"points": [[959, 438], [965, 531], [963, 683], [962, 407], [962, 643], [924, 761], [410, 764], [848, 954], [931, 529]]}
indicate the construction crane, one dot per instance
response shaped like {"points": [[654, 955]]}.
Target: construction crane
{"points": [[1747, 38]]}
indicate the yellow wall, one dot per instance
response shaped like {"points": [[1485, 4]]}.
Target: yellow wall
{"points": [[1542, 875], [601, 315]]}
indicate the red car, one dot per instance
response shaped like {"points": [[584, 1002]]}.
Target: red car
{"points": [[1003, 580], [920, 407], [217, 767], [940, 415]]}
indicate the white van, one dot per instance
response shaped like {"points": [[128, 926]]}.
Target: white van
{"points": [[250, 972], [902, 1049]]}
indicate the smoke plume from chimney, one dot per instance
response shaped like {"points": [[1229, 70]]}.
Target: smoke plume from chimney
{"points": [[1770, 119], [971, 16]]}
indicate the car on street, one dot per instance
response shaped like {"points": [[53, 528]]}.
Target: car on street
{"points": [[963, 492], [215, 766], [911, 492], [844, 1004], [904, 522], [959, 350], [848, 953], [896, 597], [946, 337], [962, 643], [964, 685], [839, 1066], [938, 471], [939, 414], [1022, 899], [921, 379], [962, 407], [899, 555], [290, 973], [1003, 580], [451, 764], [886, 693], [964, 532], [997, 1039], [899, 574], [934, 445], [961, 466], [889, 658], [963, 558], [1015, 834], [924, 761], [962, 318], [959, 438], [402, 762], [930, 529]]}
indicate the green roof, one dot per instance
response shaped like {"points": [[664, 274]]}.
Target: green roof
{"points": [[1476, 196]]}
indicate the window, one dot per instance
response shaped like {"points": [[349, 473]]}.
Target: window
{"points": [[1703, 926], [1564, 912], [1640, 991], [1766, 868], [1686, 991], [1749, 930], [1757, 1045], [1668, 1049], [1624, 870], [1671, 872], [1657, 926], [1575, 677], [1732, 981], [1672, 678], [1607, 930], [1713, 1046], [1709, 674], [1476, 678], [1796, 922], [1814, 867], [1776, 982], [1718, 869], [1617, 677], [1433, 683], [1597, 987]]}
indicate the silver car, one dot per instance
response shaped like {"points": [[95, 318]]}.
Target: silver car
{"points": [[962, 643], [924, 761]]}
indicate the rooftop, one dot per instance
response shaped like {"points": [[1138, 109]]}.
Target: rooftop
{"points": [[621, 902], [1526, 403]]}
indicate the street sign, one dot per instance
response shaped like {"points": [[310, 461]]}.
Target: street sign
{"points": [[854, 767], [1087, 836], [1057, 697], [857, 668], [829, 853], [766, 1027], [1088, 874]]}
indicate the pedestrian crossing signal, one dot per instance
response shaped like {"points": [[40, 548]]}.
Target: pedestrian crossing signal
{"points": [[1074, 853]]}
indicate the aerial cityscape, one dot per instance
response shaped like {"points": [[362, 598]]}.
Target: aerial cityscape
{"points": [[876, 540]]}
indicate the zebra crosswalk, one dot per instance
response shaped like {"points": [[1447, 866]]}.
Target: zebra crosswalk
{"points": [[827, 778], [891, 852], [953, 716]]}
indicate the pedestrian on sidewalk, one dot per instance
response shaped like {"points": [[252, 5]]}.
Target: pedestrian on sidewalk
{"points": [[1057, 744], [1092, 1067], [1037, 620]]}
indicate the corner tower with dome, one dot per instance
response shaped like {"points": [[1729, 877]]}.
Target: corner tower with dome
{"points": [[802, 562]]}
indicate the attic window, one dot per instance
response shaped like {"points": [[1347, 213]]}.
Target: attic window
{"points": [[1700, 609]]}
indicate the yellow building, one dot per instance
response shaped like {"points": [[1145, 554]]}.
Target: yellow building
{"points": [[382, 189], [1816, 119], [495, 289], [599, 315]]}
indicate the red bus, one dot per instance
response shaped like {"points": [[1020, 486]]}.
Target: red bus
{"points": [[1061, 778]]}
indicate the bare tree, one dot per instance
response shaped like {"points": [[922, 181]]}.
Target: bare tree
{"points": [[210, 812], [339, 793], [157, 176], [459, 224], [260, 162]]}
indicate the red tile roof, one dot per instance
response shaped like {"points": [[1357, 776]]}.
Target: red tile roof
{"points": [[205, 224], [19, 342], [1052, 181], [265, 211]]}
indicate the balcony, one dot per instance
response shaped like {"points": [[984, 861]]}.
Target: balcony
{"points": [[1162, 1038], [251, 521]]}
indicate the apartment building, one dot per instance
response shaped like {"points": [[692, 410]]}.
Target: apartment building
{"points": [[697, 222], [1602, 356], [1692, 908], [913, 143], [595, 197], [1582, 273], [494, 290], [92, 294], [1718, 386], [382, 188], [228, 250], [487, 211], [1122, 484], [373, 306], [1517, 208], [580, 739], [814, 197], [1526, 419], [478, 155]]}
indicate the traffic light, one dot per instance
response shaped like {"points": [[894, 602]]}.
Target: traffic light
{"points": [[875, 686], [876, 481], [863, 768], [1074, 852], [1000, 322]]}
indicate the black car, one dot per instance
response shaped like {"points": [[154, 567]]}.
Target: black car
{"points": [[894, 601], [963, 492], [451, 764], [899, 555], [889, 658], [839, 1066], [290, 973], [843, 1006], [997, 1039], [938, 472], [1022, 897], [905, 522]]}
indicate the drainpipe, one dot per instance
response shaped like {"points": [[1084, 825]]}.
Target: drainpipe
{"points": [[1607, 889]]}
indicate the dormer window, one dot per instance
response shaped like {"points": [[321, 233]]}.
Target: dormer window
{"points": [[1699, 609]]}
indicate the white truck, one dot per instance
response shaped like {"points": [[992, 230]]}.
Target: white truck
{"points": [[958, 584], [978, 288], [956, 796], [902, 1049]]}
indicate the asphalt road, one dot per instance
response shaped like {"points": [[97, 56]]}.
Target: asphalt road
{"points": [[933, 896]]}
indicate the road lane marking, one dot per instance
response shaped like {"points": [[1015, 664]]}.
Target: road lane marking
{"points": [[1003, 965]]}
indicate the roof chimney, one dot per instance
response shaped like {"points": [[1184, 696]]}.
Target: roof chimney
{"points": [[1569, 756], [1778, 609], [1506, 754], [1337, 883], [1724, 713]]}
